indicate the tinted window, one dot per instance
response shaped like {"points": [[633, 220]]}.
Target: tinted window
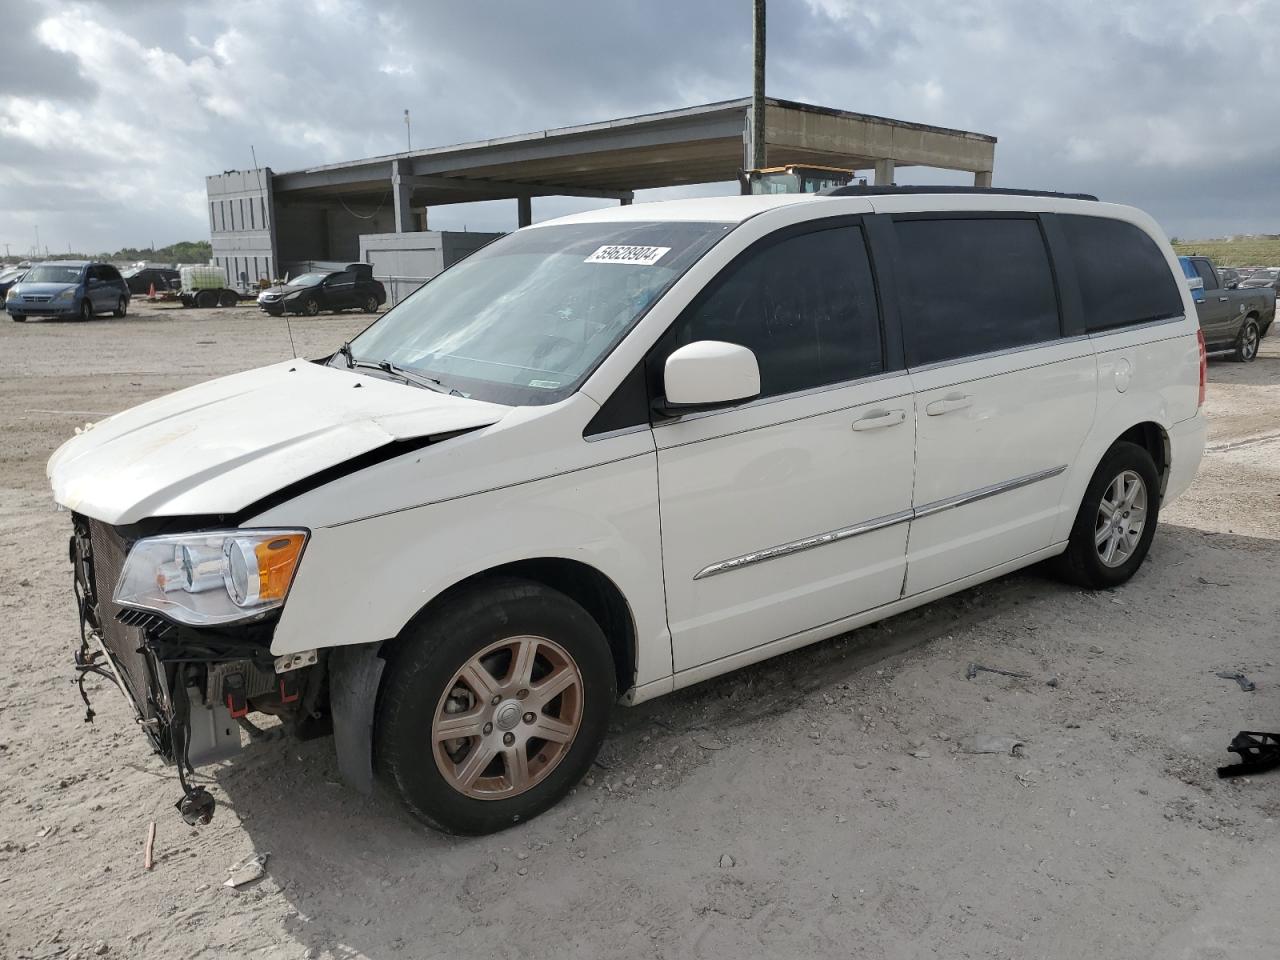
{"points": [[806, 307], [108, 272], [974, 286], [1123, 276], [1205, 269]]}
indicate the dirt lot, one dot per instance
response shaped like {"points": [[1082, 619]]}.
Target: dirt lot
{"points": [[817, 804]]}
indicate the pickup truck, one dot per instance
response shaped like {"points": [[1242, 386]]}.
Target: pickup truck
{"points": [[1233, 320]]}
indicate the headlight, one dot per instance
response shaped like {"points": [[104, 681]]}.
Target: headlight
{"points": [[11, 293], [213, 577], [68, 294]]}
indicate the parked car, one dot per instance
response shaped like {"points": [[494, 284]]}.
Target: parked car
{"points": [[347, 289], [1229, 276], [68, 288], [1234, 320], [1263, 277], [625, 451], [142, 279], [9, 276]]}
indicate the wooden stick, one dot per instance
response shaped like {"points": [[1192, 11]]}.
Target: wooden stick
{"points": [[149, 860]]}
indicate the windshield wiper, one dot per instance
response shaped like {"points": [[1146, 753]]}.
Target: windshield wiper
{"points": [[408, 376]]}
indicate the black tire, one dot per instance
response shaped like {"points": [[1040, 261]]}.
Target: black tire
{"points": [[86, 309], [428, 656], [122, 307], [205, 299], [311, 306], [18, 318], [1082, 563], [370, 304], [1247, 342], [228, 298]]}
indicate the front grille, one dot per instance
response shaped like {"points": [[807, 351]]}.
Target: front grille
{"points": [[123, 640], [34, 299]]}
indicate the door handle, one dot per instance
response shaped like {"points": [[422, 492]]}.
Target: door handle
{"points": [[1223, 299], [880, 418], [952, 401]]}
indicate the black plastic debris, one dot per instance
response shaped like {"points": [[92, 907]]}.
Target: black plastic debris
{"points": [[1247, 685], [1259, 752]]}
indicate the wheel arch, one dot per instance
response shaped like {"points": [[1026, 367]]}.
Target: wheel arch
{"points": [[1153, 438], [584, 584]]}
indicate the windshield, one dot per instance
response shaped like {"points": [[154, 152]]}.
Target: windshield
{"points": [[54, 273], [527, 318], [307, 280]]}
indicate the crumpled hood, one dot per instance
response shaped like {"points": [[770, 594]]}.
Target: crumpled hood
{"points": [[222, 445]]}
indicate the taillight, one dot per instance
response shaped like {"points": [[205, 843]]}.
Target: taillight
{"points": [[1204, 367]]}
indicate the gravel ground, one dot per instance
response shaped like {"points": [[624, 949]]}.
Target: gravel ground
{"points": [[816, 804]]}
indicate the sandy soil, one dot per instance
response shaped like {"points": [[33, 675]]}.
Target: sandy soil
{"points": [[830, 779]]}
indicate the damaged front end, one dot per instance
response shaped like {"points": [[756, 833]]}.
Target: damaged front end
{"points": [[191, 686]]}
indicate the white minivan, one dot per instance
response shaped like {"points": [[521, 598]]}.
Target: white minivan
{"points": [[614, 454]]}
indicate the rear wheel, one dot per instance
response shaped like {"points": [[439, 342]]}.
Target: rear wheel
{"points": [[206, 298], [1117, 520], [370, 304], [494, 706], [1247, 343], [227, 298], [122, 307]]}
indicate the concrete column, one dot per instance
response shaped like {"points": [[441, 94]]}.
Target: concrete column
{"points": [[524, 211], [982, 178], [884, 173], [400, 192], [624, 202]]}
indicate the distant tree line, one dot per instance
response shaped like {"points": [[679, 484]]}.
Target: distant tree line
{"points": [[185, 251]]}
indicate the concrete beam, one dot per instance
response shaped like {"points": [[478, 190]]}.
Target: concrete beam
{"points": [[500, 189]]}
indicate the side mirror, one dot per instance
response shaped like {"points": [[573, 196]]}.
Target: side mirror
{"points": [[1233, 284], [709, 373]]}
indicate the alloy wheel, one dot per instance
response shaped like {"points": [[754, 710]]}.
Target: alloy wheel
{"points": [[1250, 346], [1122, 515], [507, 718]]}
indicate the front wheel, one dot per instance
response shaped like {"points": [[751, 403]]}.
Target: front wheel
{"points": [[206, 299], [311, 306], [86, 309], [1116, 521], [494, 706], [1247, 343]]}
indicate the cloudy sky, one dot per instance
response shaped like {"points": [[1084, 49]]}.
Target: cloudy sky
{"points": [[112, 113]]}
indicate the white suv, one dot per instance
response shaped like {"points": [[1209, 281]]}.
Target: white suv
{"points": [[621, 452]]}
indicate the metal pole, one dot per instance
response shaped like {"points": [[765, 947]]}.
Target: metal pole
{"points": [[408, 130], [757, 89]]}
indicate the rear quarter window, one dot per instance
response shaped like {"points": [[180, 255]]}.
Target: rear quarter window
{"points": [[1123, 276]]}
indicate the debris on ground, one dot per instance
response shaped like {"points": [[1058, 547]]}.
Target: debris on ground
{"points": [[1247, 685], [976, 668], [247, 870], [727, 861], [992, 743], [148, 852], [1258, 752]]}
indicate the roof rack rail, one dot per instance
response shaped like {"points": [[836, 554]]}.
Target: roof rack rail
{"points": [[858, 190]]}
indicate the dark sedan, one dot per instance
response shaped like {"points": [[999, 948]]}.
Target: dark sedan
{"points": [[350, 289], [142, 279], [9, 276]]}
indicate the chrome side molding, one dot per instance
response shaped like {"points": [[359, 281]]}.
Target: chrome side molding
{"points": [[878, 523]]}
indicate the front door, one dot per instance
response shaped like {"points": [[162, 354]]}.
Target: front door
{"points": [[1217, 317], [791, 511], [1002, 400]]}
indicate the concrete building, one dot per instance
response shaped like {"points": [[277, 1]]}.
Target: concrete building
{"points": [[267, 224]]}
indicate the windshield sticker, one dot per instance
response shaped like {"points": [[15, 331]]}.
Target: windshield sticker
{"points": [[636, 256]]}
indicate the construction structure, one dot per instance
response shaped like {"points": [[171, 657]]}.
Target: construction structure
{"points": [[265, 224]]}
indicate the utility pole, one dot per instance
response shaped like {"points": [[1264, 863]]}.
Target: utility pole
{"points": [[757, 89], [37, 226], [408, 130]]}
